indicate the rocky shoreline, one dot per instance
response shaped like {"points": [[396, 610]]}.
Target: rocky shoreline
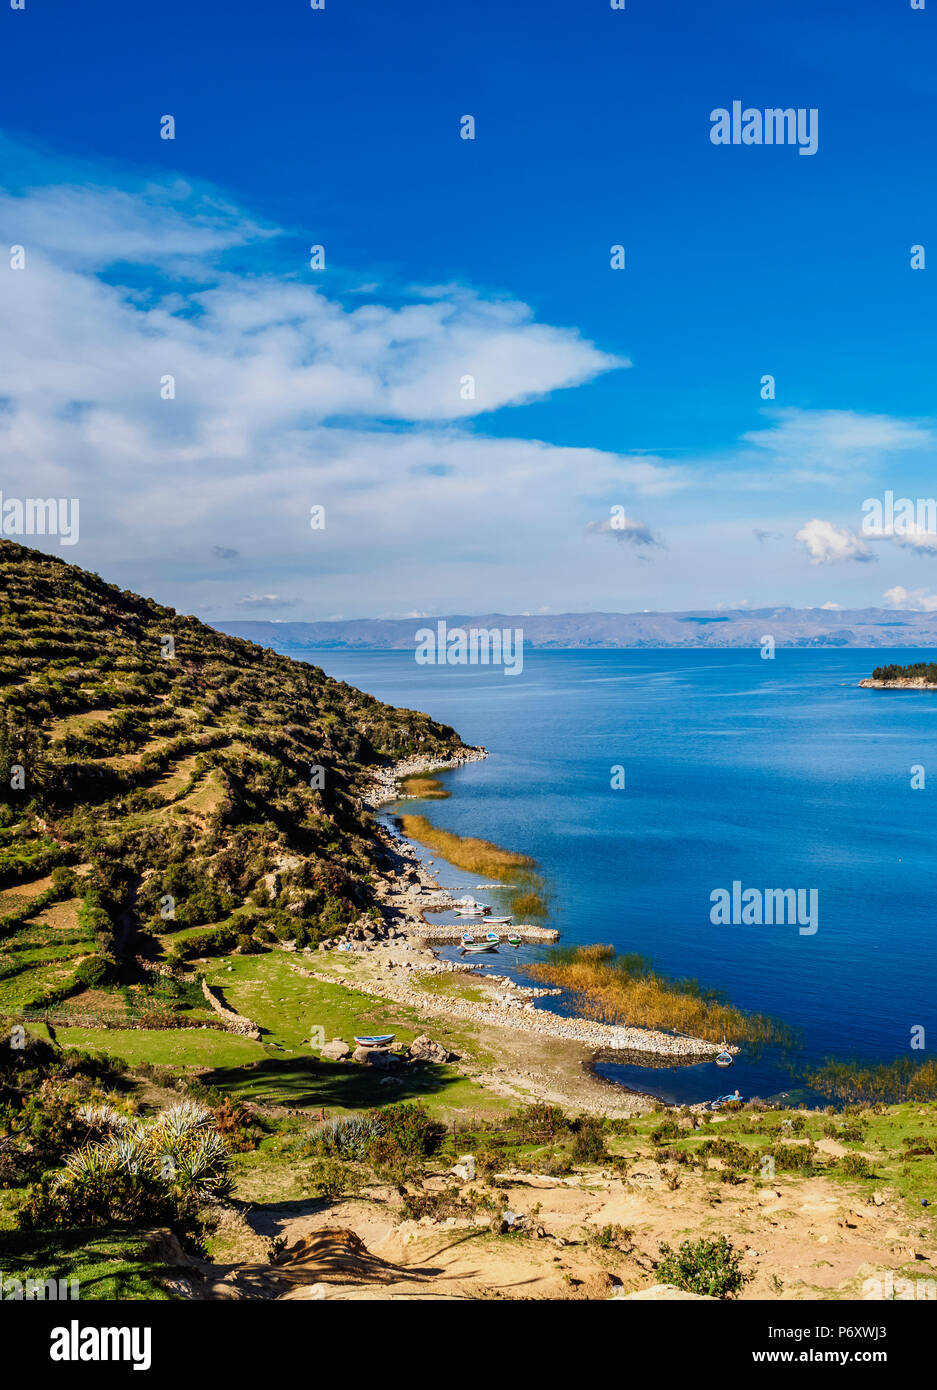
{"points": [[910, 683], [407, 888]]}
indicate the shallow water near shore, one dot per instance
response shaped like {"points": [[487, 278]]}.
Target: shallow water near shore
{"points": [[772, 773]]}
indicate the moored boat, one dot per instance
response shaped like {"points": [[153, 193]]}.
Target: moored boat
{"points": [[476, 946]]}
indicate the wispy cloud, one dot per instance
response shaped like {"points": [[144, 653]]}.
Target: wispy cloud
{"points": [[259, 602], [628, 531]]}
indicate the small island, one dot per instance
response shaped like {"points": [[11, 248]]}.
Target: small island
{"points": [[920, 675]]}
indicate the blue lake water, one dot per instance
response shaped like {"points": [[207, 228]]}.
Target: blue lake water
{"points": [[777, 774]]}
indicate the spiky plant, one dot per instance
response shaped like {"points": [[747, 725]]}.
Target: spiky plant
{"points": [[181, 1119]]}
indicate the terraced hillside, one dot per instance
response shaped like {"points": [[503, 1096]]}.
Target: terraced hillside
{"points": [[168, 792]]}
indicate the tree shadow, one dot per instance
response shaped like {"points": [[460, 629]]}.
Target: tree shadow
{"points": [[307, 1082]]}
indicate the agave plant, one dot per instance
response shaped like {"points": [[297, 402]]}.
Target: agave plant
{"points": [[130, 1151], [348, 1138], [90, 1163], [181, 1119], [203, 1165], [179, 1148], [104, 1117]]}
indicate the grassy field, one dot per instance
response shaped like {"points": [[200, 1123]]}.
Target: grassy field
{"points": [[283, 1069]]}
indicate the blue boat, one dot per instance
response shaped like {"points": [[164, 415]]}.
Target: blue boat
{"points": [[725, 1100], [374, 1039]]}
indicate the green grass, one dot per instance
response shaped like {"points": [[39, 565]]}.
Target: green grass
{"points": [[108, 1263], [283, 1069]]}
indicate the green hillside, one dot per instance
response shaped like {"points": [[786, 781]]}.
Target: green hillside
{"points": [[168, 792]]}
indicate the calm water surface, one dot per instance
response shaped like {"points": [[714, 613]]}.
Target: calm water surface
{"points": [[776, 773]]}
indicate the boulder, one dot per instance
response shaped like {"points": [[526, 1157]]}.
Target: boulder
{"points": [[336, 1050], [465, 1168], [423, 1049], [384, 1061], [376, 1057]]}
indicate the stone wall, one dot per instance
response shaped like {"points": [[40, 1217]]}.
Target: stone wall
{"points": [[234, 1023]]}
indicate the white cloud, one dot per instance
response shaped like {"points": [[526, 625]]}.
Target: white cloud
{"points": [[828, 543], [915, 599], [290, 394]]}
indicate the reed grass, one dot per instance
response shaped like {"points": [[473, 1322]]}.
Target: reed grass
{"points": [[424, 786], [626, 990], [524, 891], [890, 1082]]}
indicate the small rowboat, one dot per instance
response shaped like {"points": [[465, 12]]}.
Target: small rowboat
{"points": [[724, 1100], [725, 1059], [467, 937], [492, 936], [498, 921], [476, 946], [514, 941], [375, 1040]]}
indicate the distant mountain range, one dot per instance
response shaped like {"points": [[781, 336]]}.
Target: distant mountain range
{"points": [[790, 627]]}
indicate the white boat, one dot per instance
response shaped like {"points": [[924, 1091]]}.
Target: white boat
{"points": [[725, 1059], [470, 911], [476, 946], [498, 921], [492, 936]]}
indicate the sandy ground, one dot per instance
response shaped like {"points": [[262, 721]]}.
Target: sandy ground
{"points": [[802, 1239]]}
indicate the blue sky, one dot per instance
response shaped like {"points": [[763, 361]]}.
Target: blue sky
{"points": [[638, 388]]}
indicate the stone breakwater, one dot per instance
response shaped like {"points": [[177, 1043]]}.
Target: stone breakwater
{"points": [[453, 933], [528, 1019]]}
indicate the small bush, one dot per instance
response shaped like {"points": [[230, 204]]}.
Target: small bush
{"points": [[613, 1237], [539, 1123], [665, 1132], [703, 1266], [416, 1133], [95, 971], [855, 1166], [589, 1141], [332, 1178]]}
